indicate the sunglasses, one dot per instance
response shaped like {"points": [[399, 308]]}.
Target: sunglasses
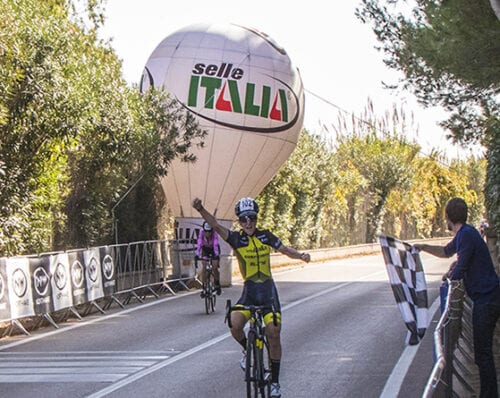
{"points": [[244, 219]]}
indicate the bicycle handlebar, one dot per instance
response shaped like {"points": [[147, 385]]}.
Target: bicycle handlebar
{"points": [[197, 258], [252, 308]]}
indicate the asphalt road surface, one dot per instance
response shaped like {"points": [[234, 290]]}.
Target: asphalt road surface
{"points": [[343, 336]]}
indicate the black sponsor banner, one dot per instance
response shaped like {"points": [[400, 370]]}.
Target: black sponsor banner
{"points": [[108, 270], [4, 294], [93, 274], [77, 277], [19, 287], [41, 286], [60, 281]]}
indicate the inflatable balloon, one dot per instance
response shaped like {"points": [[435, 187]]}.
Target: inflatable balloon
{"points": [[245, 92]]}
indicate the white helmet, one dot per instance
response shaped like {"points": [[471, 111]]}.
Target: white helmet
{"points": [[246, 207], [207, 226]]}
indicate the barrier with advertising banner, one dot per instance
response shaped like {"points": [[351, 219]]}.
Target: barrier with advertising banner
{"points": [[19, 287], [60, 281], [77, 277], [42, 287], [47, 283]]}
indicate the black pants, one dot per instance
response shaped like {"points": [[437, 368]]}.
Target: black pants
{"points": [[484, 319]]}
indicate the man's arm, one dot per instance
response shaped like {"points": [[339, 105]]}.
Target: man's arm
{"points": [[209, 218], [435, 250]]}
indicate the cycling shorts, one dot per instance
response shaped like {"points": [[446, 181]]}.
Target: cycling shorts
{"points": [[261, 293]]}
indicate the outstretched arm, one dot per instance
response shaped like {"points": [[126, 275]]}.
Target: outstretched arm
{"points": [[209, 218], [435, 250], [292, 253]]}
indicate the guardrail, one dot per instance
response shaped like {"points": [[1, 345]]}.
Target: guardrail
{"points": [[445, 340], [454, 373]]}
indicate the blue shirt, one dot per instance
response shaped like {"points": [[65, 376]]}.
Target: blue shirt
{"points": [[474, 263]]}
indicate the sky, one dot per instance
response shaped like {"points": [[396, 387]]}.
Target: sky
{"points": [[333, 50]]}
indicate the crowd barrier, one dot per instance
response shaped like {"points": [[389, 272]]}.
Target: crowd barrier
{"points": [[76, 281], [445, 339]]}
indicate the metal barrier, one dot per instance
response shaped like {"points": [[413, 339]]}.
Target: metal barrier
{"points": [[445, 340], [52, 286], [455, 373]]}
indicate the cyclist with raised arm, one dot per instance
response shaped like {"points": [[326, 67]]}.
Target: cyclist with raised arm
{"points": [[207, 245], [252, 248]]}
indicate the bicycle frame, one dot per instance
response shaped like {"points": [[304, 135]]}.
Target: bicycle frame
{"points": [[208, 285], [258, 362]]}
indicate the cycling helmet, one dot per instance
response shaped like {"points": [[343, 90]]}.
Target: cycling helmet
{"points": [[246, 207], [207, 226]]}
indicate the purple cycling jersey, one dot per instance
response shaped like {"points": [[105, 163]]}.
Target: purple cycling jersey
{"points": [[208, 240]]}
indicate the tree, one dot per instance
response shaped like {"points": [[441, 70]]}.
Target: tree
{"points": [[163, 131], [385, 164], [449, 54], [36, 118], [293, 202], [73, 136], [377, 149]]}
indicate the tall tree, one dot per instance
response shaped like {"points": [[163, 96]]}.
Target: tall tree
{"points": [[449, 53], [385, 164], [36, 117], [377, 149], [293, 202], [73, 136]]}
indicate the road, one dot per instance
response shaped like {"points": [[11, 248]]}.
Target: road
{"points": [[343, 336]]}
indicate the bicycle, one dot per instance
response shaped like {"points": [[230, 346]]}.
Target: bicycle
{"points": [[209, 292], [258, 360]]}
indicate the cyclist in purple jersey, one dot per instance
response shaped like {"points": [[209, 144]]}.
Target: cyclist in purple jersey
{"points": [[207, 245]]}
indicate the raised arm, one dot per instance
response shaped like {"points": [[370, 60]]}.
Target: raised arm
{"points": [[209, 218]]}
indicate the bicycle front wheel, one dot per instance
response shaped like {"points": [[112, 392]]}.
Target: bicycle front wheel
{"points": [[214, 298], [266, 368], [250, 367], [208, 295], [255, 373]]}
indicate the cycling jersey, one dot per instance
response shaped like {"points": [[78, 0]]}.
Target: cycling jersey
{"points": [[253, 253], [254, 258], [208, 245]]}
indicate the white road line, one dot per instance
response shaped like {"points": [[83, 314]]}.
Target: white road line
{"points": [[395, 380]]}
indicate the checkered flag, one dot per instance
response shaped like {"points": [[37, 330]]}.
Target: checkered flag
{"points": [[407, 279]]}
